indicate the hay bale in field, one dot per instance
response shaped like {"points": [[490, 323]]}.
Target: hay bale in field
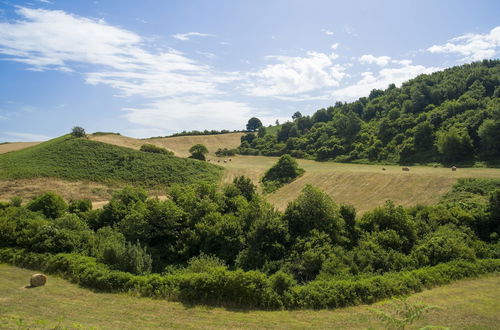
{"points": [[225, 161], [383, 168], [38, 280], [435, 166], [453, 168], [406, 169]]}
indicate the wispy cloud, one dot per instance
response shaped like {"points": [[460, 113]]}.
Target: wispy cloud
{"points": [[26, 136], [56, 40], [471, 46], [370, 59], [187, 36], [328, 32]]}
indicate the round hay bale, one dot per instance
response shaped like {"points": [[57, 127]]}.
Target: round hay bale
{"points": [[453, 168], [383, 168], [38, 280]]}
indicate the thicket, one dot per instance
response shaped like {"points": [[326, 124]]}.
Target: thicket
{"points": [[147, 147], [221, 152], [229, 246], [72, 158], [451, 116], [284, 171]]}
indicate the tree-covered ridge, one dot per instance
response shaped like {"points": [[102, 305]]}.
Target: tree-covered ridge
{"points": [[447, 116]]}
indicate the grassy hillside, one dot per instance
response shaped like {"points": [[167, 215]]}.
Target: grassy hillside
{"points": [[466, 304], [178, 144], [364, 186], [82, 159]]}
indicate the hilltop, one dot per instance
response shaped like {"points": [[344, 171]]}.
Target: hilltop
{"points": [[81, 159]]}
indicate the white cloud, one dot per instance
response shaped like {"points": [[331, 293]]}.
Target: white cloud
{"points": [[295, 75], [48, 39], [28, 137], [207, 54], [472, 46], [381, 80], [187, 36], [328, 32], [194, 113], [335, 45], [370, 59]]}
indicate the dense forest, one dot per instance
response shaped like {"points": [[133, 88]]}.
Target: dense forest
{"points": [[451, 116]]}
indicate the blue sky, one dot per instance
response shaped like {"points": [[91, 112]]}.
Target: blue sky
{"points": [[150, 68]]}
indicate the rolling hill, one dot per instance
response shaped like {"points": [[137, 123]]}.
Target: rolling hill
{"points": [[81, 159]]}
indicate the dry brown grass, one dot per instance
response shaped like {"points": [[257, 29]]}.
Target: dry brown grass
{"points": [[12, 146], [465, 304], [29, 188], [178, 144], [364, 186]]}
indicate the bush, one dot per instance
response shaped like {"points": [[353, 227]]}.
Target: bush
{"points": [[284, 171], [50, 204], [78, 132], [225, 152], [80, 205], [155, 149], [198, 151]]}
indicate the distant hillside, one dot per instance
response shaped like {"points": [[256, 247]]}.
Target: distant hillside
{"points": [[81, 159], [178, 144], [452, 116]]}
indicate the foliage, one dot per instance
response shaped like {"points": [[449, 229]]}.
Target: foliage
{"points": [[225, 152], [198, 151], [254, 124], [78, 132], [449, 116], [284, 171], [50, 204], [404, 313], [82, 159], [148, 147]]}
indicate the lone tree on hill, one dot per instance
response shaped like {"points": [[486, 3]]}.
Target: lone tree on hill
{"points": [[254, 124], [78, 132], [198, 151]]}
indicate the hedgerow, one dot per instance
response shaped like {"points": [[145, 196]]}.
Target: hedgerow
{"points": [[223, 287]]}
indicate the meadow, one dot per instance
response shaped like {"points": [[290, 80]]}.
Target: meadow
{"points": [[465, 304]]}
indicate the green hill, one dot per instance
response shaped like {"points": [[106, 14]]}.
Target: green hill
{"points": [[81, 159], [451, 116]]}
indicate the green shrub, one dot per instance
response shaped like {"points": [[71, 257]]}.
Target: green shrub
{"points": [[50, 204], [80, 205], [148, 147], [284, 171]]}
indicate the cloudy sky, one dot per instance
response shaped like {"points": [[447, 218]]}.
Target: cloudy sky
{"points": [[151, 67]]}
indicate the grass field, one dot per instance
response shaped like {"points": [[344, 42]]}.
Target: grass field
{"points": [[466, 304], [364, 186], [13, 146]]}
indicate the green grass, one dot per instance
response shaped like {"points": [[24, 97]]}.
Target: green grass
{"points": [[81, 159], [465, 304]]}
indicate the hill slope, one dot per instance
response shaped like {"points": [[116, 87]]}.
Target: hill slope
{"points": [[178, 144], [81, 159], [448, 116], [364, 186]]}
